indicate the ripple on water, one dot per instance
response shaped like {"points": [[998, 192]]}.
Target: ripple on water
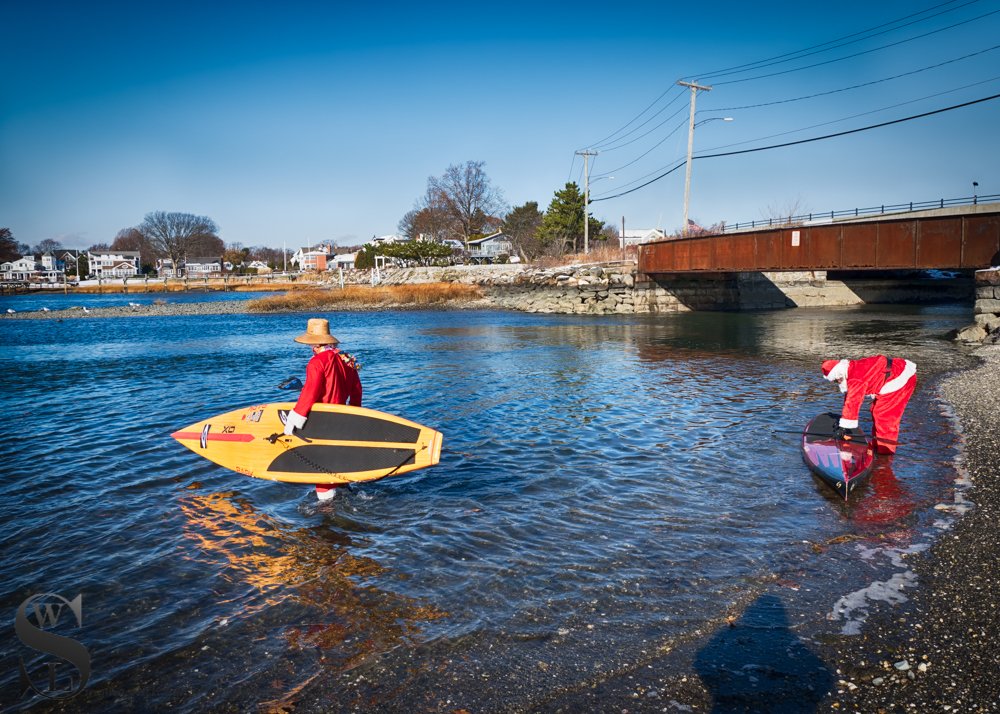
{"points": [[605, 484]]}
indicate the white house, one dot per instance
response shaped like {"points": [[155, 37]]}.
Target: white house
{"points": [[344, 261], [114, 263], [391, 238], [21, 269], [310, 258], [489, 248], [637, 236], [260, 266], [203, 267]]}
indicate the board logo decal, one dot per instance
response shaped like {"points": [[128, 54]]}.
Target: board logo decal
{"points": [[204, 436], [283, 416]]}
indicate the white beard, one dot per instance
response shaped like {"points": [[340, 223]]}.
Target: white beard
{"points": [[842, 385]]}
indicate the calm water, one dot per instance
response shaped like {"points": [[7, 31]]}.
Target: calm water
{"points": [[609, 486]]}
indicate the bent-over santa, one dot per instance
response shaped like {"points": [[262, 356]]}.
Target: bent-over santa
{"points": [[890, 384]]}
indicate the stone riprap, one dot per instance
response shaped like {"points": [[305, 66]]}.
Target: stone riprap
{"points": [[986, 311], [616, 288]]}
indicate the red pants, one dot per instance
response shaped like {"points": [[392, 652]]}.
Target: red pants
{"points": [[887, 411]]}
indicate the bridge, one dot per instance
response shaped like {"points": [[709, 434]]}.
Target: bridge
{"points": [[966, 238]]}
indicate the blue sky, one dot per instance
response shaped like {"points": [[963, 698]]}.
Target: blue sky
{"points": [[302, 122]]}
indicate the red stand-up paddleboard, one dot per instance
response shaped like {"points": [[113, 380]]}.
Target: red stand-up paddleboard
{"points": [[841, 464]]}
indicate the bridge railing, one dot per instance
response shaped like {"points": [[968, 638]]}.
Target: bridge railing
{"points": [[859, 212]]}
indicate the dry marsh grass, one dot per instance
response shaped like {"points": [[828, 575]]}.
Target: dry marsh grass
{"points": [[364, 296], [598, 254]]}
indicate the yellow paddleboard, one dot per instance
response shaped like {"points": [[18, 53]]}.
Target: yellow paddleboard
{"points": [[339, 444]]}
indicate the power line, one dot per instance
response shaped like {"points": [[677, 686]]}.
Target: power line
{"points": [[802, 52], [646, 153], [858, 54], [603, 143], [806, 141], [855, 116], [852, 131], [858, 86], [643, 136]]}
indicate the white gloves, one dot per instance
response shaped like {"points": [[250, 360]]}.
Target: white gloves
{"points": [[294, 421]]}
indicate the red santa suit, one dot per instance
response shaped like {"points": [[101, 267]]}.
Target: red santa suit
{"points": [[890, 384], [331, 378]]}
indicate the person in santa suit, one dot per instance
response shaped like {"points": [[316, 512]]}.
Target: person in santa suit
{"points": [[890, 384], [331, 378]]}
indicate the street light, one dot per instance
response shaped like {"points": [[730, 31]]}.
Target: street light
{"points": [[687, 171]]}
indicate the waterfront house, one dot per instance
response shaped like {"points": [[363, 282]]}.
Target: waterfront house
{"points": [[490, 248], [66, 257], [113, 263], [390, 238], [165, 268], [206, 267], [344, 261], [260, 266], [312, 258], [21, 269]]}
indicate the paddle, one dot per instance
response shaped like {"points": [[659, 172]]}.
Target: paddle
{"points": [[813, 433]]}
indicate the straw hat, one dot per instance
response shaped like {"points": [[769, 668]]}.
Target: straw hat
{"points": [[317, 333]]}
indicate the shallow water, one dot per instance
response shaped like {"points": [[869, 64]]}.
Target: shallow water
{"points": [[608, 486]]}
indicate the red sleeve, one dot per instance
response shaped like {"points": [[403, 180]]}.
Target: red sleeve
{"points": [[355, 386], [312, 391]]}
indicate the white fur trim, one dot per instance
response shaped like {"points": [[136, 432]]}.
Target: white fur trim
{"points": [[848, 423], [294, 420], [839, 372], [325, 495], [897, 383]]}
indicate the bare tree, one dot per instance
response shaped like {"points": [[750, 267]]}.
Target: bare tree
{"points": [[429, 221], [133, 239], [786, 214], [49, 245], [177, 235], [466, 195]]}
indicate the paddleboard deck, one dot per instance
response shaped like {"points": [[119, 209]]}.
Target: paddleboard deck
{"points": [[840, 464], [339, 444]]}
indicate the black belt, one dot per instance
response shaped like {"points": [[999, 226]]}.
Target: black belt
{"points": [[888, 368]]}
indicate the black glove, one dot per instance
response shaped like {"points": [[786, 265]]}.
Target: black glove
{"points": [[842, 434]]}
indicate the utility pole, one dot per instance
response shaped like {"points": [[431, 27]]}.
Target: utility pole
{"points": [[687, 172], [586, 197]]}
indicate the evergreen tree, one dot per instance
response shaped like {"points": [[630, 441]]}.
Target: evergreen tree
{"points": [[562, 225]]}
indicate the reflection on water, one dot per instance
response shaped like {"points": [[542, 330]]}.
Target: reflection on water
{"points": [[609, 486]]}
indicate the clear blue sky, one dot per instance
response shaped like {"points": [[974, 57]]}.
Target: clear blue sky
{"points": [[300, 122]]}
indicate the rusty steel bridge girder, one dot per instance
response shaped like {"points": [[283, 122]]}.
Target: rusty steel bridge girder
{"points": [[968, 241]]}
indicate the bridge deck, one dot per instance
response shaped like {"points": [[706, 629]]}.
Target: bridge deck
{"points": [[968, 241]]}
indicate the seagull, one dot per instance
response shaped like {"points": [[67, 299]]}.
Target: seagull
{"points": [[85, 309], [134, 306], [10, 311], [45, 309]]}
